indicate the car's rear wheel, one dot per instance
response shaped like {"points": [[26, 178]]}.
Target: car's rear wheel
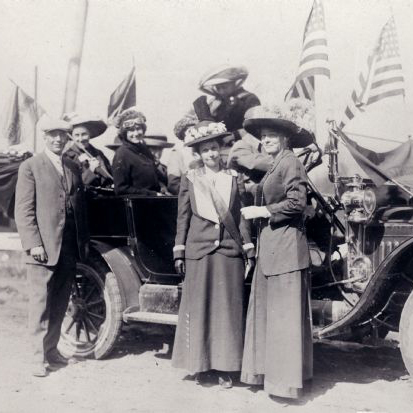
{"points": [[406, 334], [93, 319]]}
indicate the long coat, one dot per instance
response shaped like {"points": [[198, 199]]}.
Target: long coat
{"points": [[278, 346], [282, 243], [40, 210], [134, 170]]}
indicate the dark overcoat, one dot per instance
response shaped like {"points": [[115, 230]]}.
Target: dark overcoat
{"points": [[40, 210], [134, 170], [230, 111]]}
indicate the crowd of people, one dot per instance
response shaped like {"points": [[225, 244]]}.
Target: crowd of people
{"points": [[235, 174]]}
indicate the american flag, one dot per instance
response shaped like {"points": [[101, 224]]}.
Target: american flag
{"points": [[314, 56], [383, 77]]}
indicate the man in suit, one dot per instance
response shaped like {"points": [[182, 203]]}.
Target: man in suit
{"points": [[51, 220]]}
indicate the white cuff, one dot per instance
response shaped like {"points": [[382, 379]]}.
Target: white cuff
{"points": [[248, 246], [178, 248]]}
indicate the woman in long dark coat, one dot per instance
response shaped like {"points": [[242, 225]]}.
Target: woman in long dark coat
{"points": [[211, 244], [278, 342], [134, 169]]}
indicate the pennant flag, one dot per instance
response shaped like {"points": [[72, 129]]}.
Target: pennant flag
{"points": [[314, 56], [124, 96], [21, 116], [384, 166], [383, 77]]}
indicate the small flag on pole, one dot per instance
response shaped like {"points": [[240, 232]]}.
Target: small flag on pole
{"points": [[314, 56], [383, 77], [124, 96], [21, 116]]}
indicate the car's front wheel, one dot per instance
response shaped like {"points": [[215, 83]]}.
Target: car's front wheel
{"points": [[93, 319], [406, 334]]}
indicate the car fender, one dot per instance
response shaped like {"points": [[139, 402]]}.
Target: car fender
{"points": [[120, 262], [375, 296]]}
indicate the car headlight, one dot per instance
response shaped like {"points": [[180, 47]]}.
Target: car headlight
{"points": [[359, 204]]}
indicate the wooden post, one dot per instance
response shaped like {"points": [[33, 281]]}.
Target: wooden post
{"points": [[35, 108]]}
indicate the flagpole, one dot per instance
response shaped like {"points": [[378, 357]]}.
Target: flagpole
{"points": [[35, 108], [73, 70]]}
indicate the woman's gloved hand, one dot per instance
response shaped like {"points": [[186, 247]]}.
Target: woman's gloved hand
{"points": [[180, 267], [253, 212]]}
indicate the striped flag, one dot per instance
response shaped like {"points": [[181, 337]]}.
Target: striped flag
{"points": [[383, 77], [124, 96], [314, 56], [20, 119]]}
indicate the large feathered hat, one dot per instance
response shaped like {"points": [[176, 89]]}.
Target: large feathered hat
{"points": [[222, 74], [295, 118], [205, 131]]}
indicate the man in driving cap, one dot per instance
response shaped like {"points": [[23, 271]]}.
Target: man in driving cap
{"points": [[51, 219]]}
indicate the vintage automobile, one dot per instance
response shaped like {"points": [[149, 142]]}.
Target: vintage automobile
{"points": [[361, 244]]}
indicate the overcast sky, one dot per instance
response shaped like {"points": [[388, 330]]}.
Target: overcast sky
{"points": [[174, 42]]}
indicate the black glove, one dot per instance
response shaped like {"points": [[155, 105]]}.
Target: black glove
{"points": [[180, 267]]}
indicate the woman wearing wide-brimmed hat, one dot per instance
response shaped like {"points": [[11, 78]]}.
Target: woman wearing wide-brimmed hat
{"points": [[181, 157], [96, 169], [228, 100], [278, 341], [211, 245], [134, 169]]}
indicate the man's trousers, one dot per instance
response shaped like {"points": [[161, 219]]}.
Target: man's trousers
{"points": [[49, 293]]}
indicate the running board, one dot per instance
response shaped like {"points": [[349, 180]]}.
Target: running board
{"points": [[156, 318]]}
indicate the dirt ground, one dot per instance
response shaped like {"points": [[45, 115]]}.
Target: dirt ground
{"points": [[138, 377]]}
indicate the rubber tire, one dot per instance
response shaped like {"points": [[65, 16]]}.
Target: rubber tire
{"points": [[111, 327], [406, 334]]}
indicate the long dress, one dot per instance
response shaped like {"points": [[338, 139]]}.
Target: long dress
{"points": [[278, 340], [210, 329]]}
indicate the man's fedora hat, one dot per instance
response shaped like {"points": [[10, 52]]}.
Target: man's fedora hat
{"points": [[158, 141], [205, 131], [95, 125], [295, 119], [48, 125]]}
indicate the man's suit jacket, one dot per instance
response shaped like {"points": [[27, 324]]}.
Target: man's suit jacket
{"points": [[197, 232], [282, 243], [40, 210]]}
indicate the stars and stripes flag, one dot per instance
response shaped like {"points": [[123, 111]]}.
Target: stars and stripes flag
{"points": [[383, 77], [124, 96], [314, 56]]}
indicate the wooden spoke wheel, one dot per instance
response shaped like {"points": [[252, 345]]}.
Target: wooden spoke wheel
{"points": [[93, 319]]}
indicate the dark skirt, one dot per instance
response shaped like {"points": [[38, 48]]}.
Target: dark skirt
{"points": [[209, 335], [278, 348]]}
